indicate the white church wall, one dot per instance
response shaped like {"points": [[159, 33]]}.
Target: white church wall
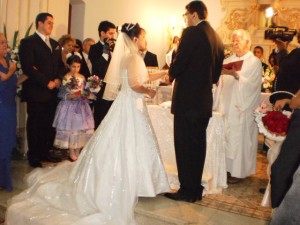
{"points": [[19, 14], [155, 16]]}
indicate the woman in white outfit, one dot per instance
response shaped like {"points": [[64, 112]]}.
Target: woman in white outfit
{"points": [[120, 162]]}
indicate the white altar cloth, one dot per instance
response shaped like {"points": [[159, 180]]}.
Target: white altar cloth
{"points": [[214, 177]]}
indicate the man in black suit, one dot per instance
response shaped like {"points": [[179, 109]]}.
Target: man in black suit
{"points": [[150, 58], [86, 65], [288, 160], [100, 55], [41, 61], [197, 65]]}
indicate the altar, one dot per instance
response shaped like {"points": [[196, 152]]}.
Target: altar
{"points": [[214, 177]]}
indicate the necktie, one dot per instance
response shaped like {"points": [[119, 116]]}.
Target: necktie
{"points": [[47, 41], [89, 64]]}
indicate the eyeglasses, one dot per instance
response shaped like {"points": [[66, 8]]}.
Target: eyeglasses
{"points": [[3, 42]]}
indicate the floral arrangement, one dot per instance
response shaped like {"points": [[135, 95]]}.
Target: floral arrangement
{"points": [[277, 122], [267, 80], [13, 51], [92, 87], [272, 123], [227, 52], [94, 82], [71, 84]]}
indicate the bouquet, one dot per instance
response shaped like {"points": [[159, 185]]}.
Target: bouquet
{"points": [[272, 123], [267, 80], [92, 87], [72, 85], [277, 122]]}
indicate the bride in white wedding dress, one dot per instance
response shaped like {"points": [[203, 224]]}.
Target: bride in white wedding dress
{"points": [[120, 162]]}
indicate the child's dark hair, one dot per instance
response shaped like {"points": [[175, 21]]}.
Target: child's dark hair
{"points": [[73, 59], [132, 30]]}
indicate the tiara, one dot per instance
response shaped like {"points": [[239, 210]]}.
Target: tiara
{"points": [[130, 26]]}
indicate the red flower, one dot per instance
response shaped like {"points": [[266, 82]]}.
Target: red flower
{"points": [[276, 122]]}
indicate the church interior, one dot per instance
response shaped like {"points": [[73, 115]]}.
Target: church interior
{"points": [[230, 204]]}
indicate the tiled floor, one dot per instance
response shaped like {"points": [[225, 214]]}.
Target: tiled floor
{"points": [[238, 205]]}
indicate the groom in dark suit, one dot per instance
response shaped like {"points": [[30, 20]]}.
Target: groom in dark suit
{"points": [[197, 65], [41, 61], [100, 55]]}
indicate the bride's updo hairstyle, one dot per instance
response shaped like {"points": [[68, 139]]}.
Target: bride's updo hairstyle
{"points": [[132, 30]]}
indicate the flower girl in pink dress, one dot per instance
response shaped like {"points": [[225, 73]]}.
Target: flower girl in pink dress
{"points": [[73, 120]]}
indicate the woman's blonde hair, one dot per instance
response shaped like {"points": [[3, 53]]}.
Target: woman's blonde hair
{"points": [[65, 38]]}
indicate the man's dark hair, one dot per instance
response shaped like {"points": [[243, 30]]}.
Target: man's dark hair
{"points": [[199, 7], [259, 47], [105, 26], [41, 17]]}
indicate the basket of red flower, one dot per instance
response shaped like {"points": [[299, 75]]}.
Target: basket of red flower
{"points": [[273, 123]]}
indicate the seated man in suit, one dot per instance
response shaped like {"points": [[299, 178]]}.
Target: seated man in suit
{"points": [[150, 59]]}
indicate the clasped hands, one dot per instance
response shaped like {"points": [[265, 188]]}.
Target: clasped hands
{"points": [[54, 84], [167, 78]]}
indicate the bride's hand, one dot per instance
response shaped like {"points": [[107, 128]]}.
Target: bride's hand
{"points": [[151, 93]]}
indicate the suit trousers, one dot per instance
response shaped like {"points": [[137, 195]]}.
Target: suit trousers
{"points": [[287, 162], [190, 149], [40, 133], [101, 107]]}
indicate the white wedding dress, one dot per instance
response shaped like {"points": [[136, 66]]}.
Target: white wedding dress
{"points": [[120, 163]]}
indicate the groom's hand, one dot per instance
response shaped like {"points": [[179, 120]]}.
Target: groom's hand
{"points": [[167, 79]]}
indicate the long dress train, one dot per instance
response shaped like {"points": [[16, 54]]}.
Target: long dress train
{"points": [[120, 163]]}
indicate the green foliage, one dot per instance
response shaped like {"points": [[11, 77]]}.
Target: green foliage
{"points": [[15, 39], [16, 34], [4, 31], [28, 30]]}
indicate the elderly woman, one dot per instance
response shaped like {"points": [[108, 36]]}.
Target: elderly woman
{"points": [[240, 95], [8, 118]]}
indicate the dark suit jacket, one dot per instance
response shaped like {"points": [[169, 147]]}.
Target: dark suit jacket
{"points": [[288, 75], [99, 63], [197, 65], [41, 66], [84, 69], [150, 59]]}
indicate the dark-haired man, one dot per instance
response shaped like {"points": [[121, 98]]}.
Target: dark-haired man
{"points": [[197, 65], [258, 51], [150, 58], [41, 61], [100, 55]]}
